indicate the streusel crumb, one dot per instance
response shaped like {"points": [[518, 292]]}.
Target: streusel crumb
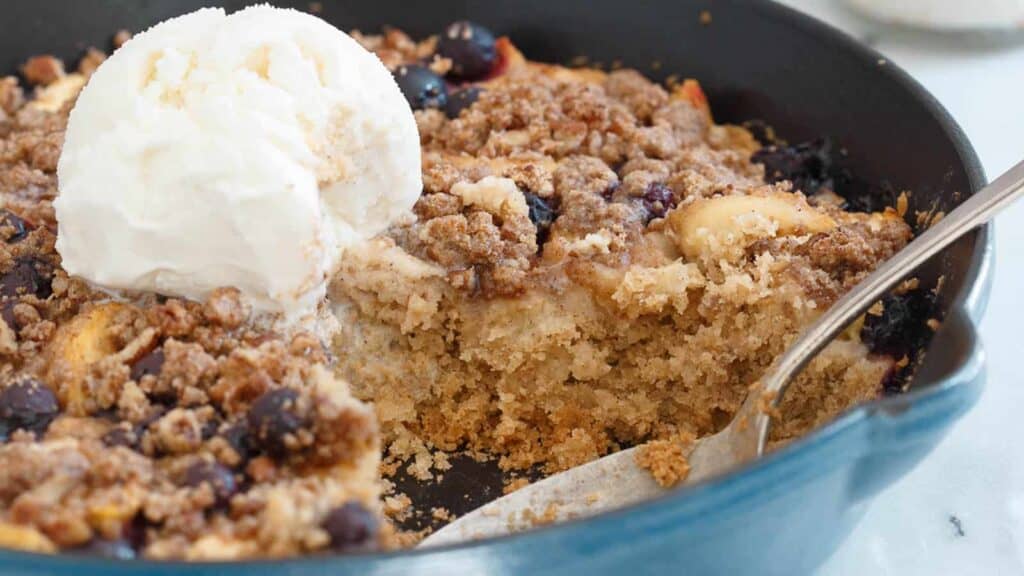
{"points": [[666, 459], [157, 428]]}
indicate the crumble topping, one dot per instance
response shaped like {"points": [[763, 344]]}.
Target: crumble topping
{"points": [[606, 155], [557, 297], [158, 427]]}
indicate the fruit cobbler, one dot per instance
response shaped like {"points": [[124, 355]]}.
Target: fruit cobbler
{"points": [[593, 263]]}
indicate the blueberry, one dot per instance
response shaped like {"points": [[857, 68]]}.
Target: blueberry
{"points": [[761, 131], [351, 527], [658, 199], [541, 214], [901, 327], [27, 276], [272, 419], [218, 476], [150, 364], [210, 428], [134, 532], [807, 165], [470, 47], [7, 313], [120, 549], [15, 226], [609, 192], [459, 101], [422, 87], [27, 404], [237, 436], [130, 435]]}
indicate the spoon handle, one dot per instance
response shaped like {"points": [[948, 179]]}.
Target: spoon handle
{"points": [[973, 212]]}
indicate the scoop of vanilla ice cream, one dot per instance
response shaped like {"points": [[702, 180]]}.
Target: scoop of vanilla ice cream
{"points": [[243, 150]]}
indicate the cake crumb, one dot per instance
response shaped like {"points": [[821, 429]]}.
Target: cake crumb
{"points": [[398, 507], [908, 285], [579, 61], [43, 70], [766, 402], [666, 459], [876, 309], [441, 514], [515, 484], [91, 61], [121, 37], [902, 203], [927, 219]]}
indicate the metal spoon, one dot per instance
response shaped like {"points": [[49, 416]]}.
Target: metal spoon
{"points": [[616, 480]]}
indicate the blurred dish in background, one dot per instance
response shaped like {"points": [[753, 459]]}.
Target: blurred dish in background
{"points": [[961, 15]]}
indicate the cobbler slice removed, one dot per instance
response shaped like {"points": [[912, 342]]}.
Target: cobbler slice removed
{"points": [[594, 263]]}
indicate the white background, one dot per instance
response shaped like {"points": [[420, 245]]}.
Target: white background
{"points": [[977, 473]]}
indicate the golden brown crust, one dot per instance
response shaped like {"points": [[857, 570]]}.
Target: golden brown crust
{"points": [[151, 389]]}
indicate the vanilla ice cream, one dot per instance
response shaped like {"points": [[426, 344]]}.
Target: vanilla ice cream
{"points": [[244, 150]]}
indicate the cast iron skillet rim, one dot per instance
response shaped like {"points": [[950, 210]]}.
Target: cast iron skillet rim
{"points": [[974, 284]]}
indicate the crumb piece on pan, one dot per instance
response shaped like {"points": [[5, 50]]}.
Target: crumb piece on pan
{"points": [[121, 37], [908, 285], [43, 70], [91, 61], [876, 309], [902, 203], [516, 484], [927, 219], [398, 507]]}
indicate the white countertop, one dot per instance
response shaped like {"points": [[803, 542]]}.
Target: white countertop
{"points": [[962, 510]]}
